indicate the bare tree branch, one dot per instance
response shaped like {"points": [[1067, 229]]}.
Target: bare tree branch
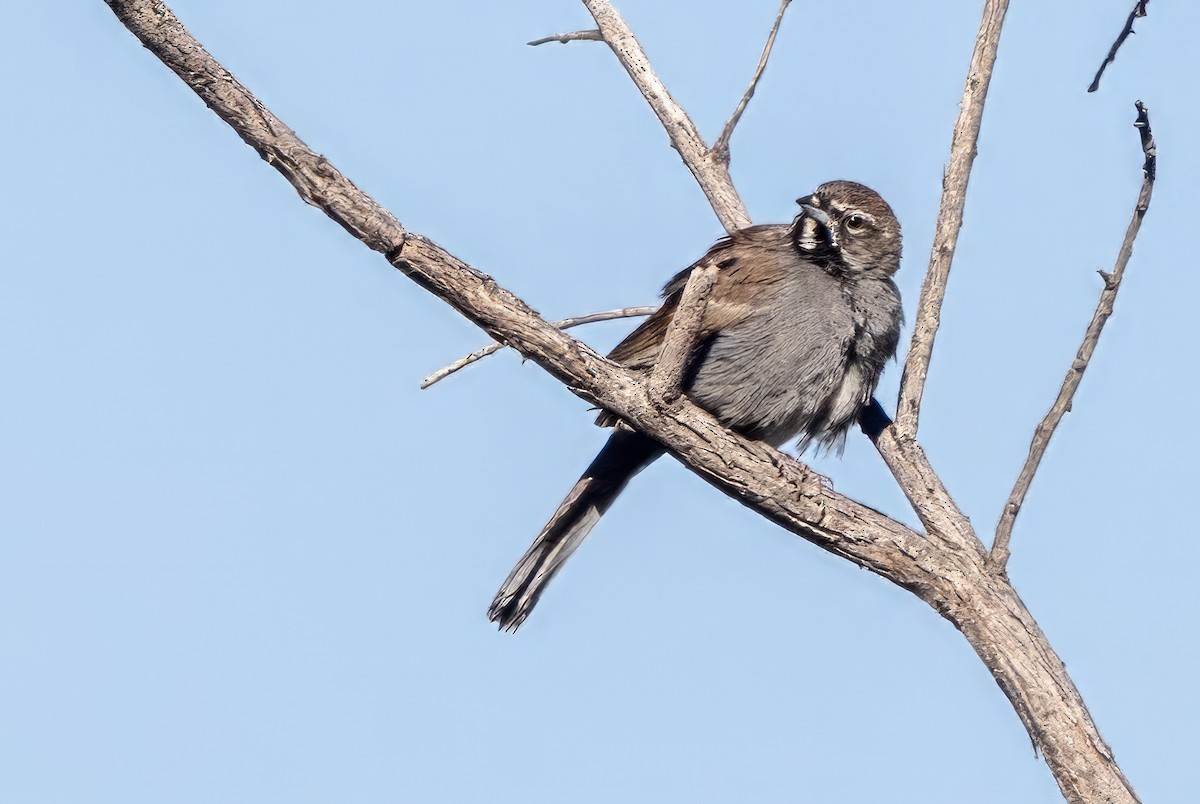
{"points": [[721, 146], [955, 582], [716, 184], [574, 36], [922, 487], [566, 323], [1139, 10], [950, 217], [1066, 394]]}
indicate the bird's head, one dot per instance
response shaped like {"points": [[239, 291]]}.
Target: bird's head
{"points": [[849, 230]]}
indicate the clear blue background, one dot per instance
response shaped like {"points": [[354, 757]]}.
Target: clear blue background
{"points": [[244, 559]]}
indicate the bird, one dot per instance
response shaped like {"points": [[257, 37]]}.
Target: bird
{"points": [[797, 329]]}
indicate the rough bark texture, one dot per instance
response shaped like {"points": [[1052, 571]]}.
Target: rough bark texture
{"points": [[950, 215], [947, 569]]}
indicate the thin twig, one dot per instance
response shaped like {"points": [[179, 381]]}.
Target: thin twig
{"points": [[1112, 283], [1139, 10], [950, 217], [574, 36], [721, 146], [715, 184], [566, 323], [666, 378]]}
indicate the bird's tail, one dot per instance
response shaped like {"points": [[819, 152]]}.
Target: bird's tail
{"points": [[625, 454]]}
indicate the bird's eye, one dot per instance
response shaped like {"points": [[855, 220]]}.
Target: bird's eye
{"points": [[856, 223]]}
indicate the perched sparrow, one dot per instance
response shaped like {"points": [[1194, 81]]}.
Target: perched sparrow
{"points": [[798, 326]]}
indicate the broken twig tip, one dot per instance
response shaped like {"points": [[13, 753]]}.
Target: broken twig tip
{"points": [[1139, 10]]}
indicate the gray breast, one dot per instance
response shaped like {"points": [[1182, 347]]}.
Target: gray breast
{"points": [[777, 374]]}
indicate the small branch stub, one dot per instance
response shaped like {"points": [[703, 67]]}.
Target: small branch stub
{"points": [[574, 36], [713, 179], [1149, 149]]}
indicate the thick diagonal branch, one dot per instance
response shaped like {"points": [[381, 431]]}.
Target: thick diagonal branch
{"points": [[950, 216], [759, 476]]}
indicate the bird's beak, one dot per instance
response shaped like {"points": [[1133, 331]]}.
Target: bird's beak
{"points": [[819, 217]]}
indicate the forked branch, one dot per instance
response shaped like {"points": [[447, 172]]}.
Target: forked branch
{"points": [[685, 138], [683, 133]]}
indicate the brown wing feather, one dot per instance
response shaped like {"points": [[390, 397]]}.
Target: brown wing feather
{"points": [[640, 349]]}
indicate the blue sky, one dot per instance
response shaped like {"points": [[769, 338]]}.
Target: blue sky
{"points": [[243, 558]]}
